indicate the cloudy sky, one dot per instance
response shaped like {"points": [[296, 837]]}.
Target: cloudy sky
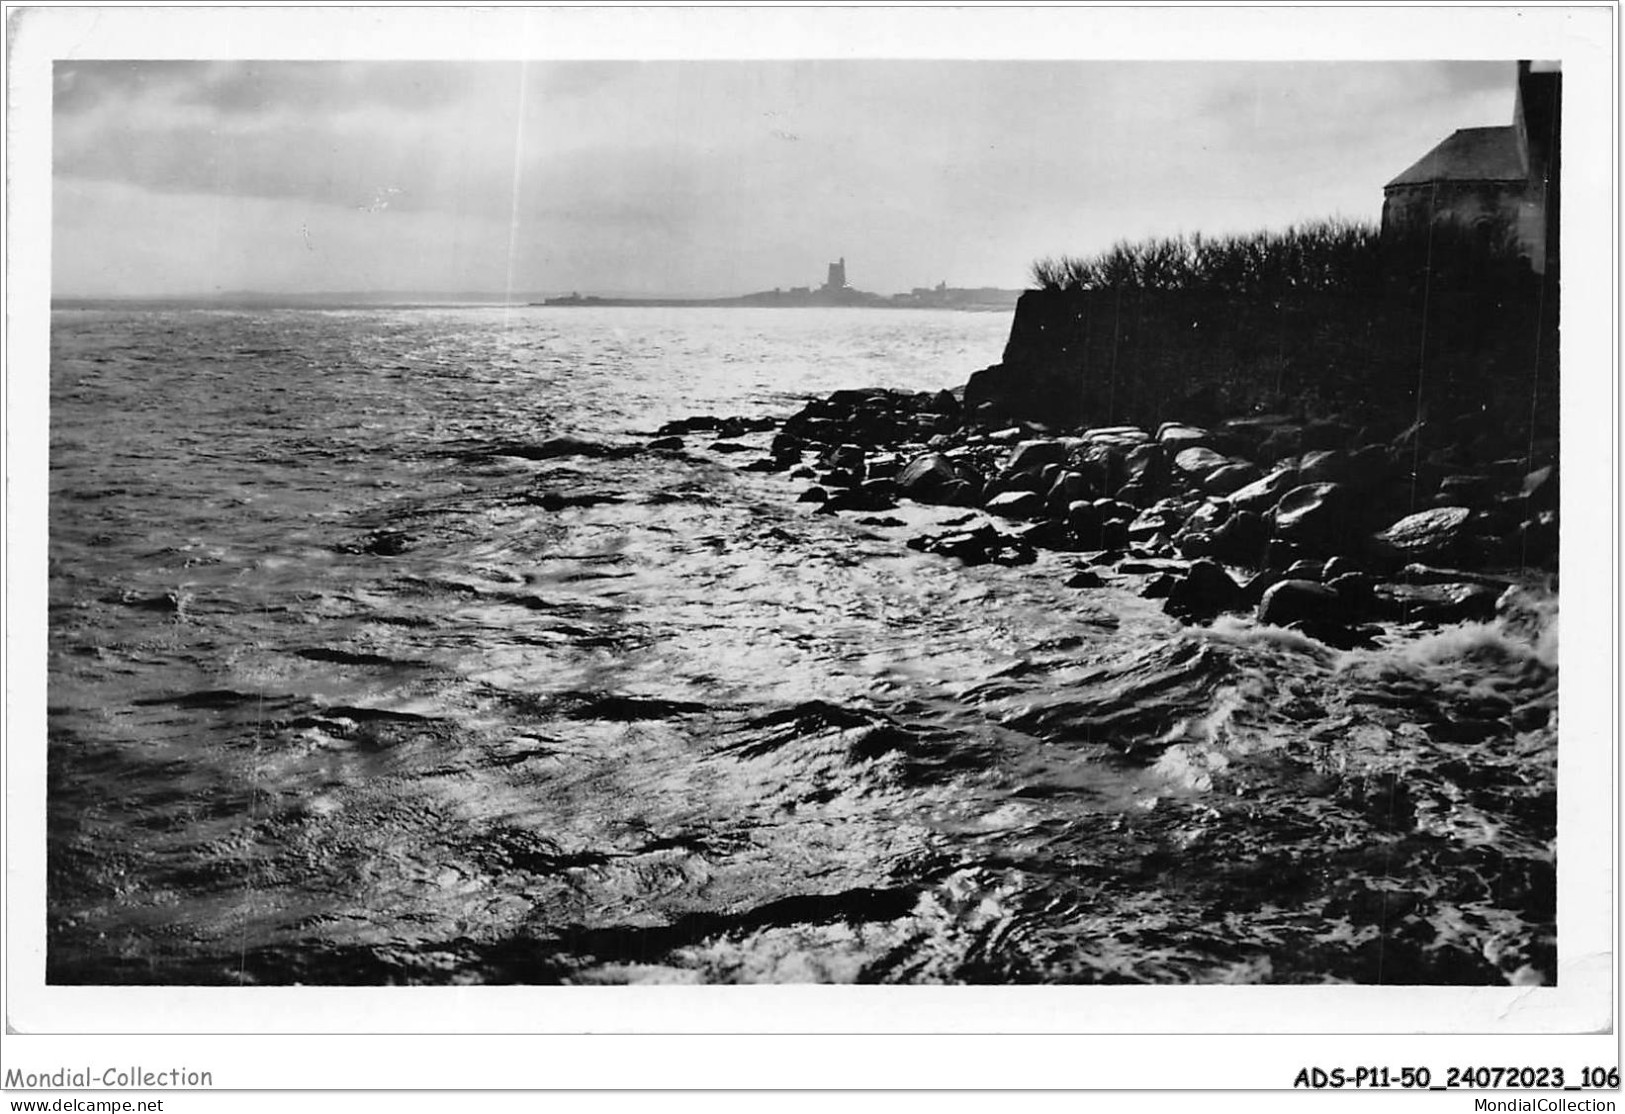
{"points": [[704, 177]]}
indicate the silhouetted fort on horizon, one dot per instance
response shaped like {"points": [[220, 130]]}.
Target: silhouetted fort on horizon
{"points": [[836, 291]]}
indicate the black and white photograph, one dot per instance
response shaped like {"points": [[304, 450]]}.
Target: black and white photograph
{"points": [[700, 518]]}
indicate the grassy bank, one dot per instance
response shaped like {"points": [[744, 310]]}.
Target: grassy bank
{"points": [[1328, 319], [1331, 256]]}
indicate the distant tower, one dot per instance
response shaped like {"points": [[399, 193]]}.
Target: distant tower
{"points": [[837, 276]]}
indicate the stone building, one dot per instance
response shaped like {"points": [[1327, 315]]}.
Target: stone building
{"points": [[1502, 183]]}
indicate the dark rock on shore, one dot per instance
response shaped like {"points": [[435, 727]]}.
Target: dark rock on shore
{"points": [[1320, 611], [1204, 592], [1016, 504], [928, 478], [1309, 542], [872, 417], [1316, 517], [1437, 603], [871, 495], [723, 427], [1290, 602], [1036, 454], [1197, 463], [1229, 478], [984, 545], [1241, 539], [1431, 535], [1262, 494]]}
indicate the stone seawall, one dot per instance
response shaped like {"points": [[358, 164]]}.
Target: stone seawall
{"points": [[1143, 357]]}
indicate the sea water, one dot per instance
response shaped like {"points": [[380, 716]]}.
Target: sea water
{"points": [[343, 689]]}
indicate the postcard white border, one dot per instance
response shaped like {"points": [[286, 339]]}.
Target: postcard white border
{"points": [[1585, 999]]}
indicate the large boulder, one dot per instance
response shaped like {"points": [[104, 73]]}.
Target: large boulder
{"points": [[1177, 436], [1123, 437], [1204, 592], [928, 478], [1296, 602], [1427, 536], [1262, 494], [1152, 522], [1198, 462], [1240, 539], [1104, 466], [1029, 455], [1315, 517], [1437, 603], [1016, 504], [1229, 478], [1324, 466]]}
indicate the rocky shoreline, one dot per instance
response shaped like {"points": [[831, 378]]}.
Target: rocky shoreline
{"points": [[1304, 524]]}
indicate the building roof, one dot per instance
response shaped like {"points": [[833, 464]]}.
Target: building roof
{"points": [[1469, 155]]}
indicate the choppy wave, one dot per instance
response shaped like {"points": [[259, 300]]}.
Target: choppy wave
{"points": [[343, 690]]}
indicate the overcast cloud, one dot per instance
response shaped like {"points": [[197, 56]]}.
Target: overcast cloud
{"points": [[705, 177]]}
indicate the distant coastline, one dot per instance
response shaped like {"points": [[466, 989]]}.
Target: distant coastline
{"points": [[980, 298], [939, 297], [835, 292]]}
